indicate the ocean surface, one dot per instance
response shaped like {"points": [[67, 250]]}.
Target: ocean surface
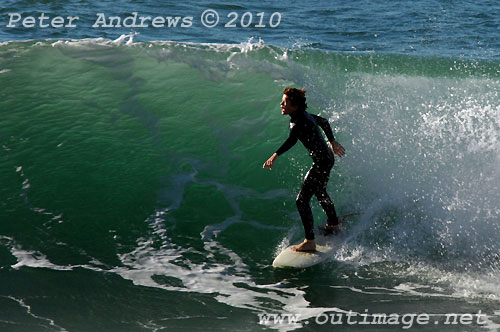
{"points": [[132, 194]]}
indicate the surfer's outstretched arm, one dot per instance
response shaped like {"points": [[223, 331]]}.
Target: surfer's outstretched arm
{"points": [[290, 141]]}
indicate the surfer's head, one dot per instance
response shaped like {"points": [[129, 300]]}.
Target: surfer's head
{"points": [[293, 100]]}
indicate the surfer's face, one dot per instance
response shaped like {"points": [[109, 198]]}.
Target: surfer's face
{"points": [[286, 105]]}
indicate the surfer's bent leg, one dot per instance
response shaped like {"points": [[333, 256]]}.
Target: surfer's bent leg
{"points": [[303, 198], [323, 197]]}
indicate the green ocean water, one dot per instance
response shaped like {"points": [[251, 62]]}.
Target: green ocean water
{"points": [[133, 196]]}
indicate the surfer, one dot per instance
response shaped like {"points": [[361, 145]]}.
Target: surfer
{"points": [[305, 127]]}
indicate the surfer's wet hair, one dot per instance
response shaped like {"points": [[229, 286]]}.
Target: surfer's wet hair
{"points": [[297, 97]]}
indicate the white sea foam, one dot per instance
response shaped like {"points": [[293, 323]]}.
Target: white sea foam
{"points": [[28, 309], [222, 280]]}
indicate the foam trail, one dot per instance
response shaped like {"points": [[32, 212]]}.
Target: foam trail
{"points": [[23, 304]]}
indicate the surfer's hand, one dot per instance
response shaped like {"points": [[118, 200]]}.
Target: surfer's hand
{"points": [[269, 163], [337, 148]]}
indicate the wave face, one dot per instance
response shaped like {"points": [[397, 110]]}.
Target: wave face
{"points": [[135, 169]]}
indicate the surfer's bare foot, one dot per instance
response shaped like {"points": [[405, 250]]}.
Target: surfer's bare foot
{"points": [[307, 245]]}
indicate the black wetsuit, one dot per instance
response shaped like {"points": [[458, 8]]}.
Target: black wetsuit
{"points": [[305, 127]]}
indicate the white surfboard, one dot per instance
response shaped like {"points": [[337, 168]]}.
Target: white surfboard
{"points": [[325, 247]]}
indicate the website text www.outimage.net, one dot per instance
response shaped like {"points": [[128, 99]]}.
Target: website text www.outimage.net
{"points": [[405, 321]]}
